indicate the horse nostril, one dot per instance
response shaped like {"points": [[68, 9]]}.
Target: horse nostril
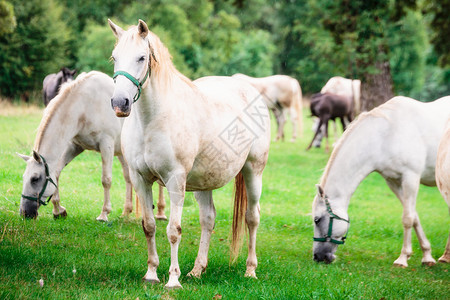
{"points": [[127, 102], [112, 105]]}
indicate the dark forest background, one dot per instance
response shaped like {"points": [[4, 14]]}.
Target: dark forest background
{"points": [[396, 47]]}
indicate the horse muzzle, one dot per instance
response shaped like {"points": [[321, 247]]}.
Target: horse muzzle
{"points": [[121, 106], [28, 209], [324, 257]]}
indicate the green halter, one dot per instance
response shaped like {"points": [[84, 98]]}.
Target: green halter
{"points": [[328, 237], [47, 180], [134, 81]]}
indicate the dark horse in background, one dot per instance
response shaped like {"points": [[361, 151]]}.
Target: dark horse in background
{"points": [[52, 83], [327, 107]]}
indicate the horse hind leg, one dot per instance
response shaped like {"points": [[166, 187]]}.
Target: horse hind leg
{"points": [[207, 219], [253, 184], [406, 191], [445, 258], [161, 204]]}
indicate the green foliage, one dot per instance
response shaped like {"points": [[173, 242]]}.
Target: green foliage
{"points": [[7, 19], [309, 40], [37, 47], [408, 44], [95, 49]]}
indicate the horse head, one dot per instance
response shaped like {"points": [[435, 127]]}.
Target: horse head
{"points": [[132, 58], [330, 228], [36, 187], [67, 74]]}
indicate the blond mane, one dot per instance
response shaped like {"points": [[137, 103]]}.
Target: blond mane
{"points": [[163, 68], [55, 103]]}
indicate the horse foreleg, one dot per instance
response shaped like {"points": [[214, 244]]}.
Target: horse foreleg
{"points": [[71, 152], [207, 219], [107, 153], [253, 184], [161, 204], [175, 184], [128, 206], [318, 129], [144, 193]]}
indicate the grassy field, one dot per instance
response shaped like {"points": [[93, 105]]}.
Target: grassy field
{"points": [[80, 258]]}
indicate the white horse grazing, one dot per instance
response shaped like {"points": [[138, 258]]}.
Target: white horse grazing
{"points": [[191, 136], [443, 178], [78, 118], [281, 93], [399, 140]]}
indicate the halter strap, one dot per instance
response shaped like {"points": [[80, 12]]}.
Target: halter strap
{"points": [[333, 216], [47, 180], [135, 81]]}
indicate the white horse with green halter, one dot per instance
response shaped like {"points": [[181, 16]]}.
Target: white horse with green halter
{"points": [[443, 178], [79, 118], [190, 136], [399, 140]]}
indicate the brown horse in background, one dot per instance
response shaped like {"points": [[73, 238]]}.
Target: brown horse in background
{"points": [[327, 107]]}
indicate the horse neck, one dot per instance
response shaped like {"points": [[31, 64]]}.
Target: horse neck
{"points": [[57, 128], [166, 91], [351, 162]]}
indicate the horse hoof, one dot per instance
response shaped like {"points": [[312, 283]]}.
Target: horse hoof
{"points": [[399, 265], [61, 215], [428, 263], [173, 286], [251, 274], [151, 281], [102, 219], [161, 217], [444, 259]]}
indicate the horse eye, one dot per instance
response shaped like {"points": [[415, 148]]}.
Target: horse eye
{"points": [[317, 220], [141, 59], [35, 179]]}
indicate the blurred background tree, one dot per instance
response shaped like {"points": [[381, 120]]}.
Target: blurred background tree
{"points": [[393, 46]]}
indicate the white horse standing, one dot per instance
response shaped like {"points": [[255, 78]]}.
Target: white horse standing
{"points": [[191, 136], [399, 140], [281, 93], [77, 119], [443, 178]]}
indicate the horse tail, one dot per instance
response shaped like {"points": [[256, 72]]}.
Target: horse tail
{"points": [[240, 207], [297, 90]]}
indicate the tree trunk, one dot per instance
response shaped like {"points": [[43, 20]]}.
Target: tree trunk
{"points": [[376, 88]]}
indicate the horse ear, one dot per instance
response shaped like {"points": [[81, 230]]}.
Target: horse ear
{"points": [[142, 29], [72, 72], [115, 29], [37, 157], [320, 191], [24, 157]]}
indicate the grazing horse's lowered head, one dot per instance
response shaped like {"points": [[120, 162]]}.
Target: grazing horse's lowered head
{"points": [[330, 228], [53, 82], [38, 185]]}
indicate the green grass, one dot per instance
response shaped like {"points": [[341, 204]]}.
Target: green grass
{"points": [[110, 258]]}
